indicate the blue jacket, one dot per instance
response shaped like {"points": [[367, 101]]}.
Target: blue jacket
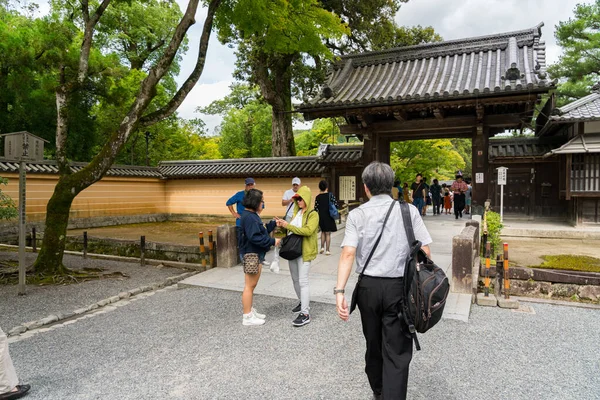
{"points": [[255, 235]]}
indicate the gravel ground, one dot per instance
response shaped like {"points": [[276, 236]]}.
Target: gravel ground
{"points": [[42, 301], [190, 344]]}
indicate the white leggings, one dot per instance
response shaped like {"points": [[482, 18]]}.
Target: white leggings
{"points": [[299, 270], [8, 375]]}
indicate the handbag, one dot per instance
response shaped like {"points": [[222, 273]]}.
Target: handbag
{"points": [[354, 293], [333, 211], [426, 286], [251, 263], [291, 247]]}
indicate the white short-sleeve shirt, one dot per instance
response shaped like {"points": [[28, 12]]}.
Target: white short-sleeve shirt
{"points": [[290, 210], [363, 227]]}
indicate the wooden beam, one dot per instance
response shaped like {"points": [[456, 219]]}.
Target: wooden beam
{"points": [[439, 113], [401, 115]]}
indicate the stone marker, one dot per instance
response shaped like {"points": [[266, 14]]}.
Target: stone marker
{"points": [[489, 301], [463, 255], [508, 303], [227, 251]]}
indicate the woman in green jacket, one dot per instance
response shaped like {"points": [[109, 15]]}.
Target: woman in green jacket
{"points": [[305, 222]]}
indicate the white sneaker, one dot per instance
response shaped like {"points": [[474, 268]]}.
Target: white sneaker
{"points": [[257, 314], [274, 267], [265, 263], [327, 253], [251, 320], [322, 250]]}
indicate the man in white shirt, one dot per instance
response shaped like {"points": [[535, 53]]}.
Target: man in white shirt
{"points": [[287, 201], [389, 348]]}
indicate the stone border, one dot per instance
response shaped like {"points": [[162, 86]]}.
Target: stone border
{"points": [[51, 319]]}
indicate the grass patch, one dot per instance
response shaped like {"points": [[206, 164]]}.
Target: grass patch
{"points": [[570, 263]]}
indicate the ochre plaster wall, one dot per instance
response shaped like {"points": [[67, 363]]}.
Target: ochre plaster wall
{"points": [[208, 196], [110, 196], [114, 196]]}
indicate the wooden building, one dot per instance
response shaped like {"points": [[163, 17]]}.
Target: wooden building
{"points": [[470, 88], [578, 124]]}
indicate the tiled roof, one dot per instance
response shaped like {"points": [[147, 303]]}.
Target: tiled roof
{"points": [[585, 109], [50, 167], [522, 147], [503, 63], [243, 167], [346, 154], [580, 144]]}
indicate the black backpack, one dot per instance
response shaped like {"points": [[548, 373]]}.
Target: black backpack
{"points": [[426, 286]]}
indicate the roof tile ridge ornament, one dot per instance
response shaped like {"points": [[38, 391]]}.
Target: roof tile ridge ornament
{"points": [[329, 90], [512, 61]]}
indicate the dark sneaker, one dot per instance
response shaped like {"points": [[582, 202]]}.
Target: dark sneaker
{"points": [[301, 319], [20, 392], [297, 308]]}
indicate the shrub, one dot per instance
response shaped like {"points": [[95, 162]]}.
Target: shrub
{"points": [[8, 210], [494, 228]]}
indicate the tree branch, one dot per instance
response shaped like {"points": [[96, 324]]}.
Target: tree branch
{"points": [[191, 81], [88, 34]]}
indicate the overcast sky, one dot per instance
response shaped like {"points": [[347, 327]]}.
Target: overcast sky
{"points": [[452, 19]]}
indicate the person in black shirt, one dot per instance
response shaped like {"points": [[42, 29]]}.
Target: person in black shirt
{"points": [[436, 196], [418, 193]]}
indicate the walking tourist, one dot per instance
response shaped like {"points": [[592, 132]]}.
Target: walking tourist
{"points": [[468, 197], [418, 193], [379, 291], [9, 383], [237, 199], [397, 192], [459, 188], [255, 242], [436, 196], [447, 199], [326, 221], [305, 222], [427, 197]]}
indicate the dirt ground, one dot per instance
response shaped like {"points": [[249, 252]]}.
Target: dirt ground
{"points": [[529, 251], [183, 233]]}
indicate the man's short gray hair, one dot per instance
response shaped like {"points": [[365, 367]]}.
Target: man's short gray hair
{"points": [[379, 178]]}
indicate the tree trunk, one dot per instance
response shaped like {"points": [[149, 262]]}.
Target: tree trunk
{"points": [[49, 260]]}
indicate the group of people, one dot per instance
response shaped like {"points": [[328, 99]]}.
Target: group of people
{"points": [[368, 239], [441, 197], [255, 238]]}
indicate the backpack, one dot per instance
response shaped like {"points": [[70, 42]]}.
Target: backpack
{"points": [[426, 286], [333, 211]]}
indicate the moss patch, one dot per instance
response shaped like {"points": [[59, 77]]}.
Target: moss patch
{"points": [[570, 263]]}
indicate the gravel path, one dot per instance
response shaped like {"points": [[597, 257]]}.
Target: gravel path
{"points": [[42, 301], [190, 344]]}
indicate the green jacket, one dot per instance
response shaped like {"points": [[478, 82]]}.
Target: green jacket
{"points": [[310, 225]]}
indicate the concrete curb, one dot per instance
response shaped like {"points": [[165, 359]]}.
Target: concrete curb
{"points": [[51, 319]]}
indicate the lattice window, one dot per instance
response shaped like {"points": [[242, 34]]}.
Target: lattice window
{"points": [[585, 173]]}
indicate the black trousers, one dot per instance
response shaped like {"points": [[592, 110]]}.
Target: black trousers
{"points": [[437, 201], [459, 204], [389, 350]]}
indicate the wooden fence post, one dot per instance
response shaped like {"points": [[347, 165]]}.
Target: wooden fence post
{"points": [[143, 250], [202, 249], [211, 249], [85, 244]]}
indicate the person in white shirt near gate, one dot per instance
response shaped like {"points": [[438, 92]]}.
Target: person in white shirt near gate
{"points": [[288, 202]]}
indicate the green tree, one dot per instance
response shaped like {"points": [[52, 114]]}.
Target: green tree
{"points": [[8, 209], [325, 130], [76, 66], [578, 68], [435, 158], [464, 147]]}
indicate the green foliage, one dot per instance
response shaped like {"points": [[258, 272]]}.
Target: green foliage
{"points": [[464, 147], [324, 130], [246, 133], [494, 227], [570, 262], [437, 158], [578, 68], [8, 209]]}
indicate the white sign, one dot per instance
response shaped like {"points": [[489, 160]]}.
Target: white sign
{"points": [[347, 188], [502, 175], [479, 177]]}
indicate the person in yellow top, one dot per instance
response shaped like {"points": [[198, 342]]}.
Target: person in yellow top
{"points": [[305, 222]]}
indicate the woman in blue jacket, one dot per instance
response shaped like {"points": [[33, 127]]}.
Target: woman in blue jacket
{"points": [[255, 239]]}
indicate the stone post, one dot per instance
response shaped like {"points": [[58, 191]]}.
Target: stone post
{"points": [[463, 257], [227, 250]]}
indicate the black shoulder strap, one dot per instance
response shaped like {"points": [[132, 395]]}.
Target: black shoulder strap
{"points": [[378, 239], [407, 220]]}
